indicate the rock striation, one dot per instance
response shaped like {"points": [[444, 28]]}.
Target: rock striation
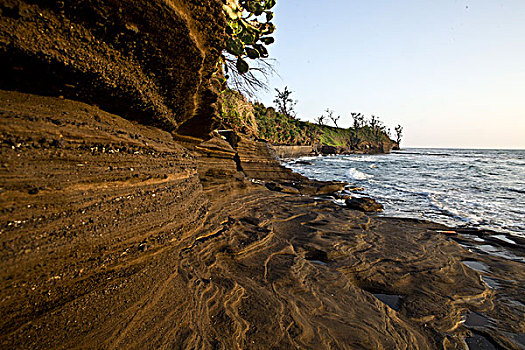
{"points": [[88, 199], [294, 151], [150, 61], [126, 222]]}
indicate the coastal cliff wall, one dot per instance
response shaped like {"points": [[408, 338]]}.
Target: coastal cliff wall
{"points": [[150, 61], [94, 191], [127, 222], [294, 151], [259, 121], [88, 201]]}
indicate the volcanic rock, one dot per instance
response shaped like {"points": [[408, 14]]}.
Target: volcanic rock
{"points": [[363, 204]]}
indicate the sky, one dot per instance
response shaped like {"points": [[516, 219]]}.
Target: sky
{"points": [[451, 72]]}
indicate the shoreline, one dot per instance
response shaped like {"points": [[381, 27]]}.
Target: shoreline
{"points": [[129, 221], [443, 209], [105, 233], [293, 152]]}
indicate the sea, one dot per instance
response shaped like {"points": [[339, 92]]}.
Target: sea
{"points": [[471, 188]]}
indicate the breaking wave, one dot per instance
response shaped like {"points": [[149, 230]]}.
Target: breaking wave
{"points": [[355, 174], [475, 188]]}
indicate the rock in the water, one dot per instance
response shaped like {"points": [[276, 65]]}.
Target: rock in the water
{"points": [[354, 189], [330, 149], [318, 188], [364, 204]]}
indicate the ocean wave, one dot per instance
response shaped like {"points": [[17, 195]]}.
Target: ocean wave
{"points": [[423, 153], [355, 174], [459, 190], [411, 191], [309, 158], [452, 212], [517, 190], [338, 160]]}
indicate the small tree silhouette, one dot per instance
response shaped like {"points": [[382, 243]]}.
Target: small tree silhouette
{"points": [[284, 103], [320, 120], [399, 134], [331, 116], [359, 120], [373, 121]]}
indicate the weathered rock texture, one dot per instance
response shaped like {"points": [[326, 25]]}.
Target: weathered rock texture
{"points": [[115, 236], [294, 151], [88, 200], [258, 160], [109, 240], [147, 60], [363, 204]]}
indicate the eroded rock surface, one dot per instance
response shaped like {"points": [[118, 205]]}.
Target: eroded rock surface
{"points": [[111, 238], [116, 234], [364, 204], [150, 61], [87, 200]]}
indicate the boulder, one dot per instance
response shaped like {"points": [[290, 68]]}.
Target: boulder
{"points": [[354, 189], [330, 149], [318, 188], [331, 188], [365, 204]]}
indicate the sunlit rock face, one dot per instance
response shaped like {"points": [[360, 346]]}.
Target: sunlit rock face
{"points": [[150, 61], [125, 224], [89, 202]]}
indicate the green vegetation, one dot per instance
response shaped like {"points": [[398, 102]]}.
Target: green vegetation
{"points": [[282, 127], [278, 128], [237, 113], [248, 30], [285, 104]]}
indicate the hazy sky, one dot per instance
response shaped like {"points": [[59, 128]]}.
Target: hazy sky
{"points": [[452, 72]]}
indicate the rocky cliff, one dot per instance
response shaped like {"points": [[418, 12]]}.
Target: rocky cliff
{"points": [[150, 61], [126, 221], [259, 121]]}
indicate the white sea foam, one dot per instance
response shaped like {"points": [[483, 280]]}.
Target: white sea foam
{"points": [[474, 188], [339, 160], [355, 174]]}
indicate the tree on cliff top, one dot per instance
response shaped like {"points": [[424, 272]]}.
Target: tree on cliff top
{"points": [[284, 103], [399, 134], [320, 120], [333, 118], [359, 120]]}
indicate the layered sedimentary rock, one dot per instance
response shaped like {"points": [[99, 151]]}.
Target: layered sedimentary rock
{"points": [[88, 202], [294, 151], [116, 234], [258, 160], [217, 159], [150, 61]]}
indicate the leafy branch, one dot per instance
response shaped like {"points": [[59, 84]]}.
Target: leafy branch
{"points": [[249, 31]]}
